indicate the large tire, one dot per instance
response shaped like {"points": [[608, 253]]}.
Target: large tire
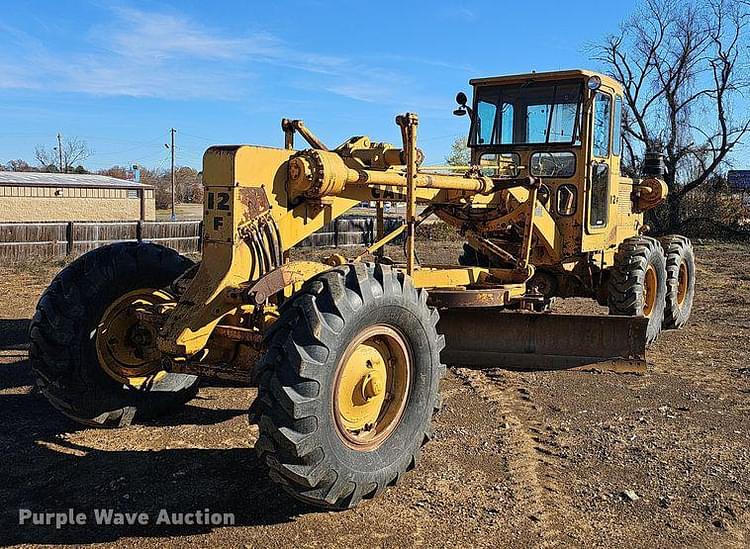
{"points": [[680, 280], [639, 265], [300, 439], [63, 350]]}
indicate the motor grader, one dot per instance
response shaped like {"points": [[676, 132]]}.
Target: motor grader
{"points": [[348, 353]]}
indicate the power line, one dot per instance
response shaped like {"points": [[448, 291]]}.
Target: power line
{"points": [[119, 152], [120, 140], [200, 137], [438, 137], [149, 157], [44, 136]]}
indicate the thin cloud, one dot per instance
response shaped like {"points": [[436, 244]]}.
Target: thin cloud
{"points": [[141, 53], [127, 59], [458, 12], [15, 77], [160, 36], [148, 54]]}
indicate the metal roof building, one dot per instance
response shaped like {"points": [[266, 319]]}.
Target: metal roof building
{"points": [[33, 196]]}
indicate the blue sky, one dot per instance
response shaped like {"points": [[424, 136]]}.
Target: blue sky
{"points": [[120, 74]]}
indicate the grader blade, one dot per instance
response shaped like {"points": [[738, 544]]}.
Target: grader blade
{"points": [[528, 341]]}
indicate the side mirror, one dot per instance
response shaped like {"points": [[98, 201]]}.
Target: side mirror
{"points": [[462, 109]]}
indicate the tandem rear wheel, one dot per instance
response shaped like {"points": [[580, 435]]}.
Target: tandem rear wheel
{"points": [[680, 260], [654, 279]]}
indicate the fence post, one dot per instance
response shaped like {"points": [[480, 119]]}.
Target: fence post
{"points": [[142, 195], [139, 230], [69, 238], [336, 232]]}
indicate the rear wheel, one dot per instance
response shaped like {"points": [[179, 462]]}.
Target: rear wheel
{"points": [[637, 283], [680, 280], [348, 386], [92, 357]]}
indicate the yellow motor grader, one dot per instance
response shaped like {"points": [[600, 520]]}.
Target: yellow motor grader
{"points": [[348, 353]]}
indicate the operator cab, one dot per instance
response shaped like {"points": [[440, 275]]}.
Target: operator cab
{"points": [[560, 127]]}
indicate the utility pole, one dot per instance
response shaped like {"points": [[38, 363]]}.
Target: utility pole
{"points": [[172, 132], [59, 150]]}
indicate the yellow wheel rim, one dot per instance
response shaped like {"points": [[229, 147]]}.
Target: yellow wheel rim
{"points": [[649, 291], [682, 284], [125, 345], [371, 387]]}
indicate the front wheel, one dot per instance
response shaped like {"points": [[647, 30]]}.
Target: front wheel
{"points": [[349, 385]]}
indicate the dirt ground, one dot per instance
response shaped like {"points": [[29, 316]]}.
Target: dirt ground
{"points": [[533, 459]]}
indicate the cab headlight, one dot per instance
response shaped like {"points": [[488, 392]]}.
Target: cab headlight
{"points": [[594, 83]]}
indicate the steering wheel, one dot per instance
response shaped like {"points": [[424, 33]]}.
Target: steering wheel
{"points": [[552, 160]]}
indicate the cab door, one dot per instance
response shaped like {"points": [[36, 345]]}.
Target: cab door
{"points": [[600, 167]]}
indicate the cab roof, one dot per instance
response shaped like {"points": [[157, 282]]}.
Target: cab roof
{"points": [[569, 74]]}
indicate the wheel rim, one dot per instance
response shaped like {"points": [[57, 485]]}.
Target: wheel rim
{"points": [[649, 291], [371, 387], [682, 284], [125, 345]]}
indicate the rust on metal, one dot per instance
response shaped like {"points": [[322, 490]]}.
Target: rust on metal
{"points": [[256, 292], [451, 298], [270, 284], [237, 333], [255, 201], [149, 315], [215, 371]]}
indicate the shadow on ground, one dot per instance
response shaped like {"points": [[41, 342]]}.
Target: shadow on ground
{"points": [[43, 471], [14, 344], [14, 334]]}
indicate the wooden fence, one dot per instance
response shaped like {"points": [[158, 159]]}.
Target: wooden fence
{"points": [[348, 231], [59, 239]]}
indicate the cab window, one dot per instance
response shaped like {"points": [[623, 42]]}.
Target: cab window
{"points": [[494, 125], [500, 164], [617, 130], [599, 210], [553, 164], [506, 123], [486, 122], [527, 113], [566, 199], [602, 114]]}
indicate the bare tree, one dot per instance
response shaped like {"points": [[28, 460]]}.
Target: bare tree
{"points": [[188, 186], [74, 152], [115, 171], [18, 166], [683, 66]]}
